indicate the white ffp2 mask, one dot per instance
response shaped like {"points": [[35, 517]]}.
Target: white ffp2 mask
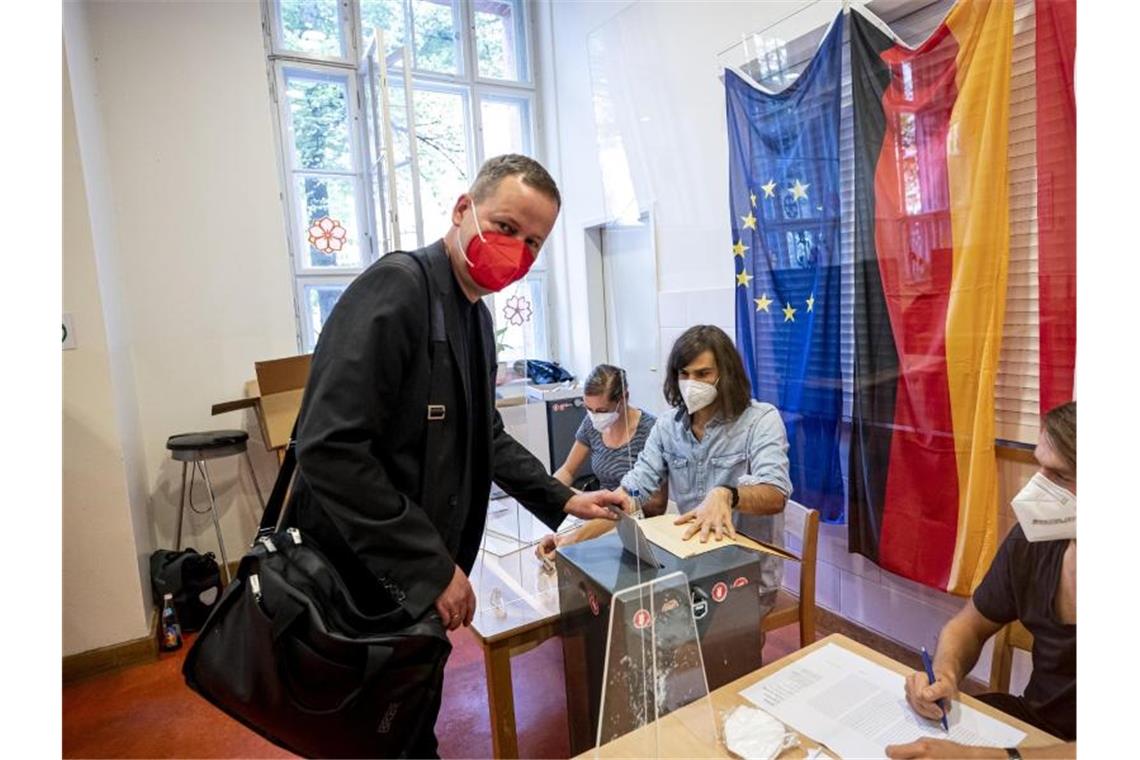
{"points": [[697, 395], [602, 420], [1045, 510]]}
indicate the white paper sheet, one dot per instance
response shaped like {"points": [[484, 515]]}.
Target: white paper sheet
{"points": [[857, 707]]}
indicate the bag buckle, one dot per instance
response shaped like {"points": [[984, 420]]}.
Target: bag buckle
{"points": [[255, 586], [268, 542], [295, 535], [436, 412]]}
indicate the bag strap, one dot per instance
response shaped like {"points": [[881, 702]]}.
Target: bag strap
{"points": [[437, 349], [438, 331], [437, 326], [276, 503]]}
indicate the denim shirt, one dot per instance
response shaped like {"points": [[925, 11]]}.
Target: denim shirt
{"points": [[750, 450]]}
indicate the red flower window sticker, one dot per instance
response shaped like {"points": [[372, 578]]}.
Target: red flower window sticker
{"points": [[518, 310], [327, 235]]}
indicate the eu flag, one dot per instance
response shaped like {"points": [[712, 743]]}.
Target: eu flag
{"points": [[784, 193]]}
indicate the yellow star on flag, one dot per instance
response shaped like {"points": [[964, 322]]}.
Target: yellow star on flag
{"points": [[789, 313], [749, 221], [811, 301], [738, 249], [743, 278], [763, 302], [752, 197], [798, 190], [769, 189]]}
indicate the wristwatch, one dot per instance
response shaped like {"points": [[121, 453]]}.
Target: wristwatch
{"points": [[1013, 753], [735, 495]]}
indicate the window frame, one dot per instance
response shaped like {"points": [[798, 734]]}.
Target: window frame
{"points": [[506, 93], [305, 317], [525, 25], [468, 82], [272, 24], [356, 134]]}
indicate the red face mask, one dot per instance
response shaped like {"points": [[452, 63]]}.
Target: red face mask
{"points": [[496, 260]]}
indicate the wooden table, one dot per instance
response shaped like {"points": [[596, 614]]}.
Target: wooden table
{"points": [[683, 733], [516, 610]]}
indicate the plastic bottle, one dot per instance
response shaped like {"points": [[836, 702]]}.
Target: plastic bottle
{"points": [[170, 632]]}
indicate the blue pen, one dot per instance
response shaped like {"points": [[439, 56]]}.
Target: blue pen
{"points": [[926, 663]]}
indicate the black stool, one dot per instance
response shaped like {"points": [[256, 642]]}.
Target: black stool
{"points": [[197, 448]]}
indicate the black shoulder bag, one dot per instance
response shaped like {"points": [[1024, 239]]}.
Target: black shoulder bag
{"points": [[290, 654]]}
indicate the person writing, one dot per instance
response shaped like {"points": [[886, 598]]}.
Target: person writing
{"points": [[1033, 579], [611, 436], [398, 438], [723, 454]]}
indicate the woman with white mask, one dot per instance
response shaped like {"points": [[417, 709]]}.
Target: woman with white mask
{"points": [[1032, 579], [723, 454], [611, 436]]}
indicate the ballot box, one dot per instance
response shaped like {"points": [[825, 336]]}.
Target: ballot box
{"points": [[724, 588]]}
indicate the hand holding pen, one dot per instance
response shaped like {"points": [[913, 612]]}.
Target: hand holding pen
{"points": [[929, 695]]}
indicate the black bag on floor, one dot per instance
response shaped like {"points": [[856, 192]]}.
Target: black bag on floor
{"points": [[290, 654], [193, 579]]}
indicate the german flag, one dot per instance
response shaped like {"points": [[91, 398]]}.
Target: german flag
{"points": [[1055, 33], [931, 254]]}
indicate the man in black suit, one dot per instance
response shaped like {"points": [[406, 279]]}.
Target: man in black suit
{"points": [[398, 437]]}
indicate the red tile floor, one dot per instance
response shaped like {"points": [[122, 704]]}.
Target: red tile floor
{"points": [[147, 711]]}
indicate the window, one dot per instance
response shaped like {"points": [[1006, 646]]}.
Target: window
{"points": [[452, 87]]}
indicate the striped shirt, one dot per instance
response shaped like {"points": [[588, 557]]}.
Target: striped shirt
{"points": [[610, 465]]}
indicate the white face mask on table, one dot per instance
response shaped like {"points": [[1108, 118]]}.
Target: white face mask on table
{"points": [[1045, 510]]}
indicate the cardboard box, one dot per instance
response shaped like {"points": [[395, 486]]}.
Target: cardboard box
{"points": [[275, 396]]}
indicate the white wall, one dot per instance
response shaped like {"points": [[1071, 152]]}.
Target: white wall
{"points": [[665, 142], [175, 131], [102, 593]]}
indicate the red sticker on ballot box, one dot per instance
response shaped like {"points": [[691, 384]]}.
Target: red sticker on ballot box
{"points": [[594, 607], [641, 618], [741, 581], [719, 591]]}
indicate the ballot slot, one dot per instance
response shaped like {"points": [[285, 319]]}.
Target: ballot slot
{"points": [[633, 540]]}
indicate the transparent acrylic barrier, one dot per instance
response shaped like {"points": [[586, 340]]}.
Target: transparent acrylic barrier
{"points": [[655, 700], [511, 527], [512, 591]]}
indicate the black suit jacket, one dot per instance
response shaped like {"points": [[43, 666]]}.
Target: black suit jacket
{"points": [[378, 488]]}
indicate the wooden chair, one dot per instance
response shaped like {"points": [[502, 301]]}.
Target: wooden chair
{"points": [[1006, 640], [791, 609]]}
